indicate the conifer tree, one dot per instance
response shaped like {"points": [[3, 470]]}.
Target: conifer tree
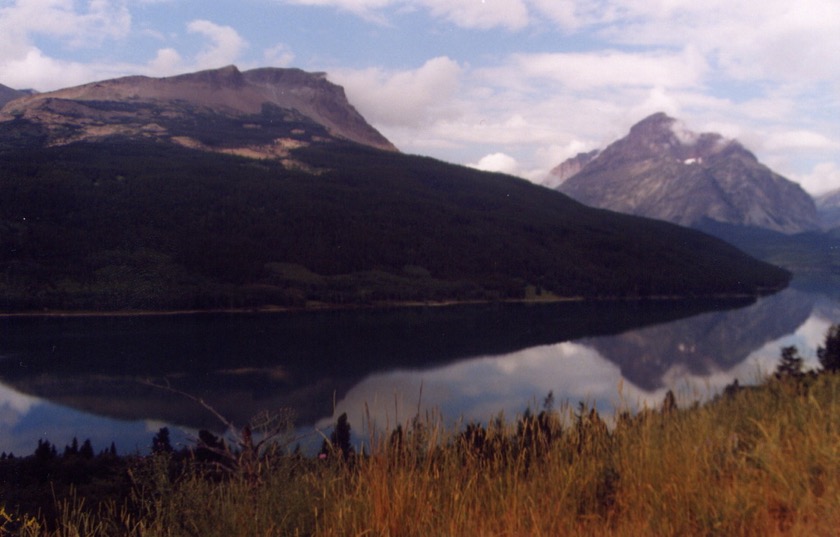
{"points": [[829, 354]]}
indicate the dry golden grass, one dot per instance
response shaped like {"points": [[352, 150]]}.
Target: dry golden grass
{"points": [[760, 462]]}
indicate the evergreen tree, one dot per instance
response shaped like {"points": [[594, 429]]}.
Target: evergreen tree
{"points": [[45, 451], [339, 439], [791, 364], [161, 443], [86, 451], [829, 354], [72, 449]]}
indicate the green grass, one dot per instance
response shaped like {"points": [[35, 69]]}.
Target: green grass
{"points": [[759, 461]]}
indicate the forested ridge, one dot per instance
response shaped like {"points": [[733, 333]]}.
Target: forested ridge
{"points": [[126, 224]]}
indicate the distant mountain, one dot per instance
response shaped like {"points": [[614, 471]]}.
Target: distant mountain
{"points": [[828, 207], [226, 189], [8, 94], [169, 109], [568, 168], [661, 170]]}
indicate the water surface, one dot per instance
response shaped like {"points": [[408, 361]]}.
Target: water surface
{"points": [[86, 377]]}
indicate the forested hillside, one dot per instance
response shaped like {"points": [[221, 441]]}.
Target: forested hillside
{"points": [[126, 224]]}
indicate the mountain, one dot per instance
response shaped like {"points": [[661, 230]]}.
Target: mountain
{"points": [[569, 167], [169, 108], [661, 170], [8, 94], [828, 207], [225, 189]]}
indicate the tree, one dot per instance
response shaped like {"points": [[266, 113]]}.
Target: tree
{"points": [[86, 451], [161, 443], [339, 439], [72, 449], [45, 451], [829, 354], [791, 364]]}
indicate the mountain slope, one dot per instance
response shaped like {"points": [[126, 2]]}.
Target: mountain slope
{"points": [[8, 94], [118, 225], [664, 171], [104, 205], [828, 207]]}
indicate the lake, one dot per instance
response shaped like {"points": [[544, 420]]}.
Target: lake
{"points": [[88, 377]]}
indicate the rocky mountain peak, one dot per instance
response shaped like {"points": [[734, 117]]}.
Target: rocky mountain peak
{"points": [[139, 106], [663, 170]]}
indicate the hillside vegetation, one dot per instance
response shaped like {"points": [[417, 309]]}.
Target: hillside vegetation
{"points": [[134, 225]]}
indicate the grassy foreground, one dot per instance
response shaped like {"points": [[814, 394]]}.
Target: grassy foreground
{"points": [[757, 461]]}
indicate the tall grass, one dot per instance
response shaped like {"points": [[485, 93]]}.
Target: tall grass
{"points": [[759, 461]]}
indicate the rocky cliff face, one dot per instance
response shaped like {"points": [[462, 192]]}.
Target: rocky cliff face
{"points": [[661, 170], [173, 108]]}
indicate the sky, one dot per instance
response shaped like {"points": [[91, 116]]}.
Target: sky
{"points": [[515, 86]]}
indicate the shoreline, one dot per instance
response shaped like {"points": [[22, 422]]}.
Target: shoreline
{"points": [[322, 307]]}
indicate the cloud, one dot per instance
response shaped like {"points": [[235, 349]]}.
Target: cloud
{"points": [[23, 64], [497, 162], [62, 19], [279, 56], [13, 405], [484, 14], [798, 139], [366, 9], [779, 41], [564, 13], [612, 68], [167, 61], [824, 177], [402, 98], [225, 46]]}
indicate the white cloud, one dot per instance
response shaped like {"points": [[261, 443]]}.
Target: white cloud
{"points": [[778, 41], [367, 9], [564, 13], [497, 162], [62, 19], [402, 98], [225, 46], [279, 56], [166, 62], [13, 405], [485, 14], [824, 177], [35, 70], [23, 64], [798, 139], [611, 68]]}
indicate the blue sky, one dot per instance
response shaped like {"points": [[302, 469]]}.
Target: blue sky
{"points": [[508, 85]]}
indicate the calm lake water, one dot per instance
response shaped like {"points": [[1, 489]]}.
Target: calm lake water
{"points": [[83, 377]]}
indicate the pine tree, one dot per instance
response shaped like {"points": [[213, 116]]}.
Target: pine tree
{"points": [[339, 439], [160, 443], [791, 364], [829, 354], [86, 451]]}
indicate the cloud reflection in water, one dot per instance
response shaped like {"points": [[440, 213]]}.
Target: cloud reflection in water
{"points": [[479, 389]]}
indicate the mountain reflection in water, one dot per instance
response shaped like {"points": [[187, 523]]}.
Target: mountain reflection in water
{"points": [[80, 375]]}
